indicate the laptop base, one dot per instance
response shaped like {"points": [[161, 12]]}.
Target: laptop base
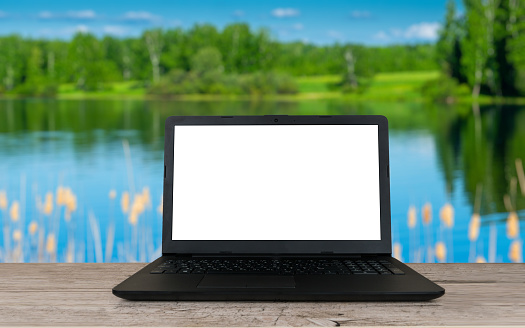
{"points": [[235, 287]]}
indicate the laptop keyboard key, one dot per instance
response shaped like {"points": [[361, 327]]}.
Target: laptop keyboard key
{"points": [[277, 267]]}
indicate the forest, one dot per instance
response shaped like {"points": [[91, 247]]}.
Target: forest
{"points": [[478, 52]]}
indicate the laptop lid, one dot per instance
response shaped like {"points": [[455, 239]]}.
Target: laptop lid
{"points": [[276, 185]]}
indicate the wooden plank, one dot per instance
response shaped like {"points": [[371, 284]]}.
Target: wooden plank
{"points": [[80, 295]]}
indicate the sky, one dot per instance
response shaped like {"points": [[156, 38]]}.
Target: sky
{"points": [[373, 22]]}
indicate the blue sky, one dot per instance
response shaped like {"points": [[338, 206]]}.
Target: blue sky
{"points": [[373, 22]]}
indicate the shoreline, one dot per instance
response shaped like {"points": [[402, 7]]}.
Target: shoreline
{"points": [[352, 98]]}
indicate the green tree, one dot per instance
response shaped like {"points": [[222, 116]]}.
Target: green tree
{"points": [[474, 46], [515, 45], [448, 49], [87, 66], [153, 39], [207, 60], [13, 56]]}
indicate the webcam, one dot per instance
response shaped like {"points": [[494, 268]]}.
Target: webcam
{"points": [[276, 120]]}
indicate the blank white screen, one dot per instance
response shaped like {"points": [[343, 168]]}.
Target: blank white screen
{"points": [[282, 182]]}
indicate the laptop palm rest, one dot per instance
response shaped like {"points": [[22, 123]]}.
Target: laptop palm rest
{"points": [[246, 281]]}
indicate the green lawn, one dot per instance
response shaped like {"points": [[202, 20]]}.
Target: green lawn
{"points": [[399, 86]]}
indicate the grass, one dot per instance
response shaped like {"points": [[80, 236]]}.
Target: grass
{"points": [[392, 87]]}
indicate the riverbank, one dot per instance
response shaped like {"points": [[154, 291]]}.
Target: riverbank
{"points": [[384, 87]]}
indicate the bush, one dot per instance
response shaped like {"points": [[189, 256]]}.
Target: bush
{"points": [[37, 89], [179, 82], [444, 90]]}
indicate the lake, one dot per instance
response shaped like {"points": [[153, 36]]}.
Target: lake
{"points": [[66, 166]]}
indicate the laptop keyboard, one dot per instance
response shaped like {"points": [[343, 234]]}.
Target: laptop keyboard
{"points": [[277, 267]]}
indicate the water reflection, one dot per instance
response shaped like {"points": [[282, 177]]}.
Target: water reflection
{"points": [[455, 175]]}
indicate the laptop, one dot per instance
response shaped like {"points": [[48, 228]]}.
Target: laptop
{"points": [[277, 207]]}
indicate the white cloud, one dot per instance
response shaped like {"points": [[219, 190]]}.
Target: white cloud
{"points": [[381, 35], [360, 14], [285, 12], [140, 16], [81, 28], [45, 15], [82, 14], [79, 15], [427, 31], [3, 14], [334, 34], [114, 30], [238, 13], [176, 22], [298, 26], [422, 31], [396, 32]]}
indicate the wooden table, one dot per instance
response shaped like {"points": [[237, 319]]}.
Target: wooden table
{"points": [[80, 294]]}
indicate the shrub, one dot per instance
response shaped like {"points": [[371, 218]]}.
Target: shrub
{"points": [[178, 82], [45, 89], [444, 89]]}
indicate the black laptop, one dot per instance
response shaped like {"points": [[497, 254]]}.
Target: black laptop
{"points": [[292, 208]]}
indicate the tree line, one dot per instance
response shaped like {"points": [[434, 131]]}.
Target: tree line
{"points": [[484, 48], [166, 57]]}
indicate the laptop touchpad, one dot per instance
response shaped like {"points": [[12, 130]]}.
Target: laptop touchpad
{"points": [[246, 281]]}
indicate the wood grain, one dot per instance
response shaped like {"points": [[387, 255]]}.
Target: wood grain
{"points": [[80, 295]]}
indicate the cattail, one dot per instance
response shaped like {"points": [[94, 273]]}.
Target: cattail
{"points": [[515, 251], [161, 206], [412, 219], [146, 199], [133, 218], [447, 215], [137, 207], [397, 251], [124, 202], [513, 225], [17, 235], [481, 259], [112, 194], [61, 196], [3, 200], [33, 226], [51, 243], [70, 202], [14, 212], [427, 213], [473, 227], [441, 251], [48, 204], [139, 204]]}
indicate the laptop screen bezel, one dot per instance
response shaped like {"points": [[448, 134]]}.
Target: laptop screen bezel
{"points": [[257, 247]]}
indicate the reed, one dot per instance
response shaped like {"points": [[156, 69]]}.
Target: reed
{"points": [[3, 200], [441, 251], [481, 259], [411, 217], [14, 211], [95, 230], [426, 213], [51, 246], [515, 251], [397, 251], [475, 222], [447, 215], [160, 208]]}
